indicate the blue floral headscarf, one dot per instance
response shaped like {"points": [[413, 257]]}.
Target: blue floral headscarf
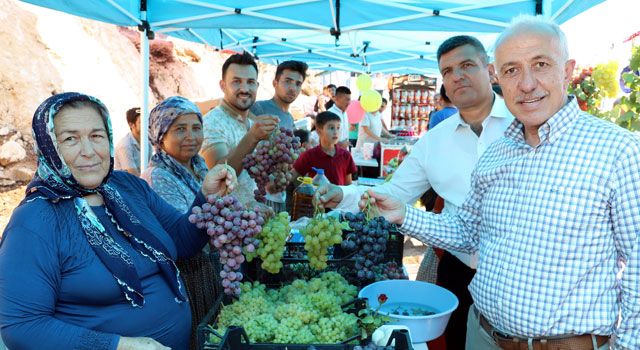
{"points": [[161, 118], [54, 182]]}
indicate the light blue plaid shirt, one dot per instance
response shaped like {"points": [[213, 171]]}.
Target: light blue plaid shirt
{"points": [[551, 223]]}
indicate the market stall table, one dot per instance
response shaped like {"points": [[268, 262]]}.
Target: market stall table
{"points": [[361, 162]]}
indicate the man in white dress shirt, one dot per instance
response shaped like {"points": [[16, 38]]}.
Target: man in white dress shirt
{"points": [[444, 158], [341, 102]]}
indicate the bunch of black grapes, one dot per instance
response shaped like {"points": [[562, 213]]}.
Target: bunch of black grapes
{"points": [[368, 241]]}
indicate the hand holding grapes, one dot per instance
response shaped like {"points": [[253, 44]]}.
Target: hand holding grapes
{"points": [[220, 180], [328, 196], [390, 208], [263, 126]]}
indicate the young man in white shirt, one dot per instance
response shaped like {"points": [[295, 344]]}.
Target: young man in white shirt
{"points": [[341, 102], [444, 158]]}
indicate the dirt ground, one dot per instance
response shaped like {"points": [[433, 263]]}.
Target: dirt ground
{"points": [[9, 199]]}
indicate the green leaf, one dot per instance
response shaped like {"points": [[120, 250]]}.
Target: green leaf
{"points": [[628, 77], [363, 334], [368, 320], [635, 125], [626, 116], [581, 95]]}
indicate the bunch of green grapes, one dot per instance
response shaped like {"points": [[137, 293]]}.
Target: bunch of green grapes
{"points": [[304, 312], [272, 241], [606, 78], [319, 234], [340, 326]]}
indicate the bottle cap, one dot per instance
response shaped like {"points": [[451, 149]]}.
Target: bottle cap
{"points": [[318, 170], [305, 180]]}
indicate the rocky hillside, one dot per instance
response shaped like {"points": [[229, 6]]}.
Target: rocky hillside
{"points": [[46, 52]]}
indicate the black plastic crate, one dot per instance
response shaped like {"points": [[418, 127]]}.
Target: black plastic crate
{"points": [[235, 338], [394, 251], [292, 269]]}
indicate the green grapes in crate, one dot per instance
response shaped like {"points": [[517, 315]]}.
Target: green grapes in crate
{"points": [[304, 312]]}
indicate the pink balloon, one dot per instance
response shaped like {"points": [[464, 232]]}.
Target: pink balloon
{"points": [[355, 112]]}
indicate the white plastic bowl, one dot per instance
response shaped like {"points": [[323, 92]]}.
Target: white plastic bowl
{"points": [[422, 328]]}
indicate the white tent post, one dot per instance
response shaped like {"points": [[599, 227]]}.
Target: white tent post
{"points": [[144, 113]]}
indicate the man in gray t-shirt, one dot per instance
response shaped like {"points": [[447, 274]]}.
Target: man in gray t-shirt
{"points": [[270, 107], [287, 84]]}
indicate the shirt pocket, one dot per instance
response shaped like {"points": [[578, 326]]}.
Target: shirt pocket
{"points": [[578, 209]]}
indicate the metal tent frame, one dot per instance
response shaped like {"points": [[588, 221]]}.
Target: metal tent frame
{"points": [[368, 36]]}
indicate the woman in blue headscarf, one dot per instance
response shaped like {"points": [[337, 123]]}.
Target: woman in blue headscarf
{"points": [[87, 259], [176, 172]]}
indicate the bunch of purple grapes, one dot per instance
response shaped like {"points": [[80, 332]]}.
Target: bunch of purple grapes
{"points": [[272, 161], [389, 271], [232, 229], [368, 241]]}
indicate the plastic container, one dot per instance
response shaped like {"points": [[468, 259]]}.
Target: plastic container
{"points": [[236, 339], [320, 179], [303, 199], [428, 295]]}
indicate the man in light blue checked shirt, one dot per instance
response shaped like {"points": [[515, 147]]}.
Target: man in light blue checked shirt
{"points": [[554, 206]]}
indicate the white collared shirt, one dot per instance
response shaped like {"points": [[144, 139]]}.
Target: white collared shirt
{"points": [[344, 122], [442, 159]]}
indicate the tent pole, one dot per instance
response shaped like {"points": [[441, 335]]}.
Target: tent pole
{"points": [[547, 9], [144, 122]]}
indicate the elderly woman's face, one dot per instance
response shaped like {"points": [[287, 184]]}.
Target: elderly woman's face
{"points": [[184, 138], [83, 144]]}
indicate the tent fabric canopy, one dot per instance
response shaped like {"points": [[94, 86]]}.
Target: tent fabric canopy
{"points": [[392, 36]]}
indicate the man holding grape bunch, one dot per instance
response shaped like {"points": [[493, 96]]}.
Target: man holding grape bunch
{"points": [[231, 131], [553, 211], [444, 158]]}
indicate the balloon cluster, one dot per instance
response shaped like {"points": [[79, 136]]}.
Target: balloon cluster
{"points": [[370, 100]]}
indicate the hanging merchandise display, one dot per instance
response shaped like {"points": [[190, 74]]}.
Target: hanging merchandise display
{"points": [[411, 102]]}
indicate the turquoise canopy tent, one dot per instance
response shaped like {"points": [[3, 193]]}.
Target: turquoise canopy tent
{"points": [[353, 35], [390, 36]]}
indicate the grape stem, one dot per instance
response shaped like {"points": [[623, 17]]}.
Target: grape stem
{"points": [[370, 210]]}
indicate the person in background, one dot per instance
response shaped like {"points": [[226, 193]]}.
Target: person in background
{"points": [[325, 100], [303, 135], [127, 156], [553, 210], [370, 128], [446, 109], [444, 158], [336, 161], [314, 138], [341, 102], [87, 260], [176, 172], [231, 131], [290, 76], [287, 84]]}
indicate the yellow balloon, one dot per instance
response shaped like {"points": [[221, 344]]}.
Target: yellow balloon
{"points": [[363, 82], [370, 100]]}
